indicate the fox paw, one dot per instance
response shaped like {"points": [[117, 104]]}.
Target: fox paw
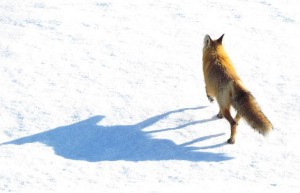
{"points": [[231, 141], [210, 98], [220, 116]]}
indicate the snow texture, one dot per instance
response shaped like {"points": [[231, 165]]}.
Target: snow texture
{"points": [[109, 96]]}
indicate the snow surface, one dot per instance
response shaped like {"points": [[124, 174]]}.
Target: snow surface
{"points": [[108, 96]]}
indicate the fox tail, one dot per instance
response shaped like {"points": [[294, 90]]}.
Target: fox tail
{"points": [[246, 105]]}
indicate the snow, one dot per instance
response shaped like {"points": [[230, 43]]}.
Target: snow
{"points": [[108, 96]]}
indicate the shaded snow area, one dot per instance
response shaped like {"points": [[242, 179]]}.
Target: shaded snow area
{"points": [[109, 96]]}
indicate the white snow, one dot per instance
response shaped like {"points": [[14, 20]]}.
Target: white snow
{"points": [[108, 96]]}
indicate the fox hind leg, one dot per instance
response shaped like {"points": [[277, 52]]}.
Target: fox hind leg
{"points": [[233, 124], [237, 118]]}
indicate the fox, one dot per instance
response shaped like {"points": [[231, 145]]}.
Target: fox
{"points": [[223, 84]]}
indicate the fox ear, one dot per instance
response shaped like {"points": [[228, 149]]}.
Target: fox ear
{"points": [[207, 41], [220, 39]]}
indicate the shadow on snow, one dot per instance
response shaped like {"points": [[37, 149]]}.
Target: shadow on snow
{"points": [[86, 140]]}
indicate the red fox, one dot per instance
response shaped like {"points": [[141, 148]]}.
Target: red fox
{"points": [[223, 83]]}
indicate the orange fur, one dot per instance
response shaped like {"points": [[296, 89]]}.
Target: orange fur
{"points": [[223, 83]]}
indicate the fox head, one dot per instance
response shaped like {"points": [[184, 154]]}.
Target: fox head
{"points": [[209, 43], [213, 49]]}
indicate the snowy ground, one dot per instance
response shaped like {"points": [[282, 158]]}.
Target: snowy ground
{"points": [[108, 96]]}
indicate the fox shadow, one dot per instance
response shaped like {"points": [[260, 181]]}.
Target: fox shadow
{"points": [[89, 141]]}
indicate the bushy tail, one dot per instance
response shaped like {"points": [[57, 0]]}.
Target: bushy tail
{"points": [[245, 104]]}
